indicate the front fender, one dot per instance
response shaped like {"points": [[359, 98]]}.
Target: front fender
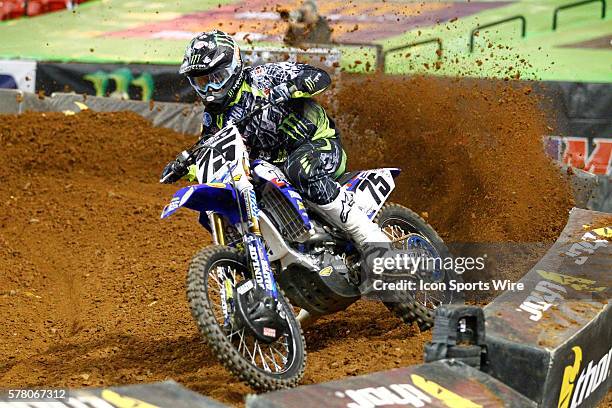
{"points": [[216, 197]]}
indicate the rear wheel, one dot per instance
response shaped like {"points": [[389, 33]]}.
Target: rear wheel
{"points": [[410, 232], [213, 276]]}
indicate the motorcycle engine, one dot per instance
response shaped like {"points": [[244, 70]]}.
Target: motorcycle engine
{"points": [[328, 290], [336, 262]]}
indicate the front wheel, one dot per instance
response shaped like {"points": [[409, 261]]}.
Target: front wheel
{"points": [[214, 274], [410, 232]]}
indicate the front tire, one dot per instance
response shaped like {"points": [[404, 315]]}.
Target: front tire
{"points": [[213, 273], [398, 221]]}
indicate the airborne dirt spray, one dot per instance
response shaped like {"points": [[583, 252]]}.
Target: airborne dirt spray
{"points": [[471, 153]]}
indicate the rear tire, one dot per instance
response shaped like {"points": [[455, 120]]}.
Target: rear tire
{"points": [[417, 308], [222, 344]]}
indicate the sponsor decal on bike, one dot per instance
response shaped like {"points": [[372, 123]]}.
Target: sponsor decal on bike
{"points": [[260, 263], [372, 188], [244, 288], [268, 171], [420, 393], [269, 332], [226, 296], [222, 154], [186, 194], [326, 271], [251, 204], [278, 182], [172, 206], [216, 185], [580, 381]]}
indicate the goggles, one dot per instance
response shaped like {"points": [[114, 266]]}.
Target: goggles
{"points": [[215, 81]]}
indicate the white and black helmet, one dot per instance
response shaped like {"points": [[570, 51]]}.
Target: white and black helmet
{"points": [[213, 65]]}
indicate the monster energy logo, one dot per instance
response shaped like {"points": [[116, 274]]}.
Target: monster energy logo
{"points": [[305, 161], [123, 78], [294, 127], [310, 84], [224, 39], [194, 59]]}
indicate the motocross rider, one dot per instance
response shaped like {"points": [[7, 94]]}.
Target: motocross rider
{"points": [[295, 132]]}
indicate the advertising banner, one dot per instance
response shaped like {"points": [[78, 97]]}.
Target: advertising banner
{"points": [[18, 75], [162, 83], [141, 82], [558, 330]]}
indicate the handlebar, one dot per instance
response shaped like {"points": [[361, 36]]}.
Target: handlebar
{"points": [[254, 111], [185, 155]]}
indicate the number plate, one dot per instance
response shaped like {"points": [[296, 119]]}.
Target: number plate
{"points": [[373, 190]]}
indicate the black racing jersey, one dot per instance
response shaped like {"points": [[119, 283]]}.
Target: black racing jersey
{"points": [[278, 130]]}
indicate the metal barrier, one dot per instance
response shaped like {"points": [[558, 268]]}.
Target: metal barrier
{"points": [[378, 49], [318, 55], [523, 27], [333, 47], [579, 3], [414, 44]]}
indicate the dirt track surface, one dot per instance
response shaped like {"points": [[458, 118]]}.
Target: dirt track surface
{"points": [[92, 281]]}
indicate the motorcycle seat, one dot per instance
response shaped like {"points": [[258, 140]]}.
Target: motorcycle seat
{"points": [[346, 177]]}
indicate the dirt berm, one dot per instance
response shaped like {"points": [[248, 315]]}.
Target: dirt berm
{"points": [[92, 281]]}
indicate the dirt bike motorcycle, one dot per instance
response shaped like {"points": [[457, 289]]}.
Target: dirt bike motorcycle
{"points": [[272, 252]]}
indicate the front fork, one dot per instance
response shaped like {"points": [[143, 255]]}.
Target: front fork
{"points": [[253, 242], [217, 228]]}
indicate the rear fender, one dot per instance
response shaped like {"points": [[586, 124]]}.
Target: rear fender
{"points": [[216, 197]]}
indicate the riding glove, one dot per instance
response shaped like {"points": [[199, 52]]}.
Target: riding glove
{"points": [[280, 93]]}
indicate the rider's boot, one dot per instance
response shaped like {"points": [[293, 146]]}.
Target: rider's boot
{"points": [[345, 214], [305, 318], [370, 240]]}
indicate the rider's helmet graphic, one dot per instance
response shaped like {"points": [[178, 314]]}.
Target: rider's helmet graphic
{"points": [[213, 65]]}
